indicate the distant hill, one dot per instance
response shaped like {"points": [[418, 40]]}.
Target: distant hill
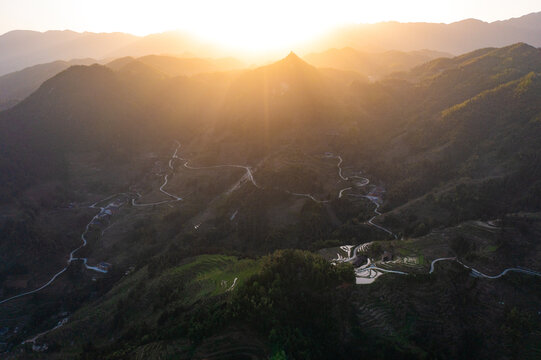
{"points": [[16, 86], [374, 65], [177, 66], [173, 43], [456, 38], [21, 48]]}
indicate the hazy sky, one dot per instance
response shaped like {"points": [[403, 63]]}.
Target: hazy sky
{"points": [[239, 22]]}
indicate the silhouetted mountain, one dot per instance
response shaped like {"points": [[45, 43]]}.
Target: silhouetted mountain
{"points": [[174, 66], [530, 21], [174, 43], [20, 49], [16, 86], [456, 38], [283, 98], [81, 109]]}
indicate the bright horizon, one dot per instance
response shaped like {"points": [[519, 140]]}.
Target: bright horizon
{"points": [[242, 24]]}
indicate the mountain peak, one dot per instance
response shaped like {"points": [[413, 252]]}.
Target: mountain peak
{"points": [[292, 59], [292, 55]]}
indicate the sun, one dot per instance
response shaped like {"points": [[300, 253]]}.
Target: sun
{"points": [[249, 26], [242, 25]]}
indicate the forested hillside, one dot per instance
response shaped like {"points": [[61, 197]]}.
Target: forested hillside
{"points": [[283, 212]]}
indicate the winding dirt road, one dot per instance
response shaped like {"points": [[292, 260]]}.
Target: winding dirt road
{"points": [[175, 198], [102, 212], [369, 272], [72, 253], [477, 273]]}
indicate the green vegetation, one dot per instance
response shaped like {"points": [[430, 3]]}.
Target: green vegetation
{"points": [[197, 298], [140, 310], [230, 271], [297, 301]]}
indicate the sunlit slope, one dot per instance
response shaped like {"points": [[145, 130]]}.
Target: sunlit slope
{"points": [[92, 108], [396, 125], [446, 82], [470, 147], [284, 98], [199, 307], [154, 294]]}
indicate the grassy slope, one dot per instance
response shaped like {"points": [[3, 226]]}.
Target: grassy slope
{"points": [[140, 299]]}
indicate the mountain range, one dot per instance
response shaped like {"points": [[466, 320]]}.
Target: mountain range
{"points": [[16, 86], [20, 49], [373, 64], [344, 204], [455, 38]]}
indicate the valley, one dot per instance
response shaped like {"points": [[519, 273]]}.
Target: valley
{"points": [[281, 209]]}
